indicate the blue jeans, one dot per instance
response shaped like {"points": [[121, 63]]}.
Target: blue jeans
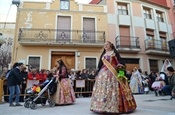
{"points": [[14, 90], [167, 89]]}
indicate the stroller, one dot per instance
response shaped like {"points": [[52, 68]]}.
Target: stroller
{"points": [[41, 94]]}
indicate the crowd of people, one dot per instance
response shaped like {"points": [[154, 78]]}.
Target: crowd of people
{"points": [[158, 82], [113, 88]]}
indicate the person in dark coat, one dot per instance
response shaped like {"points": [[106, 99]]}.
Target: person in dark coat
{"points": [[13, 81], [24, 83]]}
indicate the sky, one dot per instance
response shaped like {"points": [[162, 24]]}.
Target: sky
{"points": [[8, 11]]}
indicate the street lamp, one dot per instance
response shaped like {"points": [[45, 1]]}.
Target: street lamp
{"points": [[2, 40]]}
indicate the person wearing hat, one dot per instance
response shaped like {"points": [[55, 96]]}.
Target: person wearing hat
{"points": [[170, 89]]}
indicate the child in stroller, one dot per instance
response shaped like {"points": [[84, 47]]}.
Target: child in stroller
{"points": [[39, 94]]}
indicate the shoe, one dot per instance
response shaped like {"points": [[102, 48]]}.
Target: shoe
{"points": [[12, 105], [18, 104], [160, 93], [156, 94]]}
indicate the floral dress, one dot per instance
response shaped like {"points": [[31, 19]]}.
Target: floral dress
{"points": [[108, 95], [65, 93]]}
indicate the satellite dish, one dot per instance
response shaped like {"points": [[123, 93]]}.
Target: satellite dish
{"points": [[16, 2]]}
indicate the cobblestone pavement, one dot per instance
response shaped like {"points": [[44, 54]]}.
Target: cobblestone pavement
{"points": [[147, 104]]}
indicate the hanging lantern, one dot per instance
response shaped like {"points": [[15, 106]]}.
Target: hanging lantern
{"points": [[2, 40]]}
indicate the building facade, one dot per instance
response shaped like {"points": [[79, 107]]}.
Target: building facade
{"points": [[63, 29], [60, 29], [142, 29]]}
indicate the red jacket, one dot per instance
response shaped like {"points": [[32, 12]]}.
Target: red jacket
{"points": [[33, 76], [43, 77]]}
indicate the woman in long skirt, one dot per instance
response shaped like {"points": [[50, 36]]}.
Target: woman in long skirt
{"points": [[111, 92], [65, 93]]}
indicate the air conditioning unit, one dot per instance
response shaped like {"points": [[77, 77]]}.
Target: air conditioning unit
{"points": [[16, 2]]}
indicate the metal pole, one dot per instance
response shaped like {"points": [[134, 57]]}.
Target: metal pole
{"points": [[1, 90]]}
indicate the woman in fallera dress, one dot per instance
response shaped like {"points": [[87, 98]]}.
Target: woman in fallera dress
{"points": [[136, 82], [111, 92], [65, 93]]}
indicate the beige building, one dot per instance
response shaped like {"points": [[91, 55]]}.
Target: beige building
{"points": [[142, 29], [63, 29], [60, 29]]}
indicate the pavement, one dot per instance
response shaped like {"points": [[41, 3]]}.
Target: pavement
{"points": [[147, 104]]}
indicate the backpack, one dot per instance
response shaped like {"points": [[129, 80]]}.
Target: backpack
{"points": [[8, 73]]}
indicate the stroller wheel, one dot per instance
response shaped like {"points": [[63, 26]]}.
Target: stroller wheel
{"points": [[27, 104], [51, 103], [33, 106]]}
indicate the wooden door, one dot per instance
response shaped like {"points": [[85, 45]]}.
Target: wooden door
{"points": [[129, 67], [67, 57]]}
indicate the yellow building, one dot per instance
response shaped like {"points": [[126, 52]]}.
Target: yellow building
{"points": [[60, 29]]}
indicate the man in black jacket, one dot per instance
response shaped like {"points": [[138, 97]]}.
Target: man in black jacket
{"points": [[13, 81]]}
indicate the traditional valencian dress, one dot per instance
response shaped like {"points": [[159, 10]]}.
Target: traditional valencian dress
{"points": [[111, 92], [136, 83], [65, 93]]}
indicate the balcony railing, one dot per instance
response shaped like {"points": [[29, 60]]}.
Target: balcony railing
{"points": [[127, 42], [156, 45], [57, 36]]}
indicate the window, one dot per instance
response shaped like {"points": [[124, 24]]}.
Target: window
{"points": [[90, 64], [153, 65], [150, 38], [34, 62], [147, 13], [122, 9], [64, 27], [163, 42], [160, 17], [88, 30], [64, 4]]}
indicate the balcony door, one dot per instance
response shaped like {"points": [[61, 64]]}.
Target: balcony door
{"points": [[125, 39], [163, 43], [63, 28], [88, 30]]}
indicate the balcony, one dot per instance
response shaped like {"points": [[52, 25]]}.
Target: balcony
{"points": [[149, 24], [61, 37], [156, 47], [128, 44]]}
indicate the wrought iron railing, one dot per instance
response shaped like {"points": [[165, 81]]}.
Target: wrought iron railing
{"points": [[59, 36], [159, 45], [127, 42]]}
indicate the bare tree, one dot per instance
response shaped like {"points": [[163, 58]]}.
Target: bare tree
{"points": [[5, 53]]}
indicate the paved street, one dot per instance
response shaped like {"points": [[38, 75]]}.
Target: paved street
{"points": [[146, 105]]}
